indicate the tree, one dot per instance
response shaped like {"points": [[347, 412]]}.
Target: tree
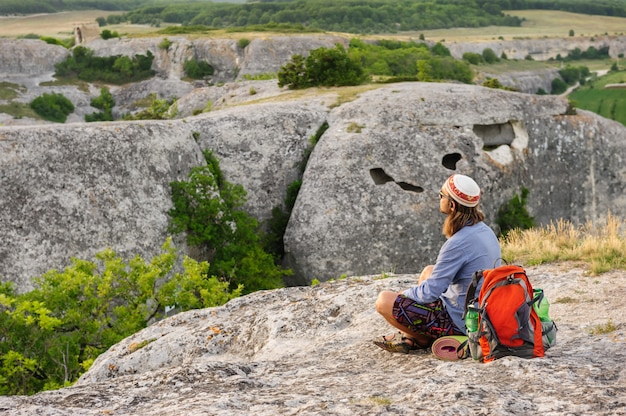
{"points": [[330, 67], [293, 74], [51, 335], [473, 58], [103, 102], [209, 210], [52, 107], [490, 56], [558, 86], [440, 50], [107, 34], [323, 67]]}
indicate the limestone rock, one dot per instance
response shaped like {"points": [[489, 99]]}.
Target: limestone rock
{"points": [[267, 55], [524, 81], [541, 49], [29, 57], [260, 147], [213, 98], [308, 351], [74, 190], [374, 176]]}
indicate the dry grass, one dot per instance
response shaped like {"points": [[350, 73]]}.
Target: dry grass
{"points": [[538, 24], [60, 25], [602, 246]]}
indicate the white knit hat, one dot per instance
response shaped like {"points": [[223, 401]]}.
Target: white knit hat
{"points": [[463, 190]]}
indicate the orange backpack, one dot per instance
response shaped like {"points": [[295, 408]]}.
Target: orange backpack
{"points": [[507, 322]]}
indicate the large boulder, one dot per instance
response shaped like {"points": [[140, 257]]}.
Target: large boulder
{"points": [[374, 176], [29, 58], [308, 351], [74, 190], [260, 147]]}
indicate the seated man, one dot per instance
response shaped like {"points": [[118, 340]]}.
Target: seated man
{"points": [[434, 308]]}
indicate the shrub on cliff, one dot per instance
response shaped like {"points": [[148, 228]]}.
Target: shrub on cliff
{"points": [[197, 69], [514, 215], [104, 102], [325, 67], [209, 210], [111, 69], [52, 107]]}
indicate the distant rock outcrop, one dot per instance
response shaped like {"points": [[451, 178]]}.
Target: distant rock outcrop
{"points": [[308, 351], [541, 49]]}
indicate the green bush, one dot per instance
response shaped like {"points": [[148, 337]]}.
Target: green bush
{"points": [[326, 67], [52, 107], [198, 69], [165, 44], [107, 34], [104, 102], [490, 56], [558, 86], [473, 58], [117, 69], [514, 215], [243, 42], [52, 335], [209, 210], [159, 109], [396, 61]]}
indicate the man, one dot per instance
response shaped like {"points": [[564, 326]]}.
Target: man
{"points": [[434, 308]]}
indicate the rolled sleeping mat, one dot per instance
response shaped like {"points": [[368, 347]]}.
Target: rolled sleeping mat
{"points": [[445, 348]]}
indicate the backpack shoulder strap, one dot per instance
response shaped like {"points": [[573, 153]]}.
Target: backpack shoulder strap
{"points": [[471, 289]]}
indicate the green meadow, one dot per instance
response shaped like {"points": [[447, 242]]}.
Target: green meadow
{"points": [[607, 102]]}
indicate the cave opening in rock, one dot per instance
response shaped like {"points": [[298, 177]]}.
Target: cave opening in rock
{"points": [[380, 177], [450, 160], [494, 135]]}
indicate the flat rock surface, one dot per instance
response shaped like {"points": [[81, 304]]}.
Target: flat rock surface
{"points": [[308, 351]]}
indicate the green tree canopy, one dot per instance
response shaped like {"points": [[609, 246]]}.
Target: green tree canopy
{"points": [[209, 210]]}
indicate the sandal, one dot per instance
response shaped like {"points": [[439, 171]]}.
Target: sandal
{"points": [[397, 343]]}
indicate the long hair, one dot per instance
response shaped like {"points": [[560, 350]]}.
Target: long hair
{"points": [[462, 216]]}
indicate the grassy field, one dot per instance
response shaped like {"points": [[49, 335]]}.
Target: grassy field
{"points": [[60, 25], [609, 103], [538, 23]]}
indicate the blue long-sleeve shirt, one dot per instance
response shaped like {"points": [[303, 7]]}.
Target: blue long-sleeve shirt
{"points": [[470, 249]]}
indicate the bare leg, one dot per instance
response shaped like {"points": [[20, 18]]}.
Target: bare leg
{"points": [[428, 270], [384, 306]]}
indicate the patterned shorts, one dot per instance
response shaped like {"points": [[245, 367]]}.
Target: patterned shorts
{"points": [[428, 319]]}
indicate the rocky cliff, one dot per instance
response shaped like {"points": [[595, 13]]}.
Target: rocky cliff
{"points": [[308, 351], [28, 63], [368, 200], [541, 49], [371, 180]]}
